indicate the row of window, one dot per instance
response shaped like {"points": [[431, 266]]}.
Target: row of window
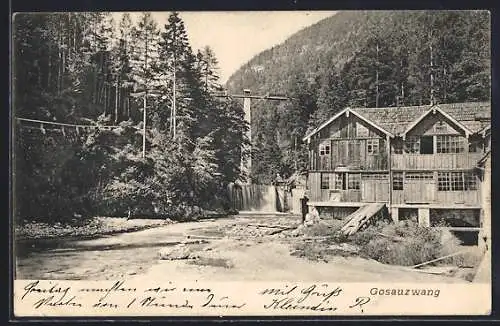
{"points": [[444, 144], [455, 181], [342, 181], [419, 145], [372, 147], [446, 181]]}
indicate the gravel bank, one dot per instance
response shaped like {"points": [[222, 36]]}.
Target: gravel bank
{"points": [[93, 227]]}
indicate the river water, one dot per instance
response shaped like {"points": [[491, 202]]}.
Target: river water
{"points": [[102, 258]]}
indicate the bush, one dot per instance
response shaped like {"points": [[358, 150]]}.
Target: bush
{"points": [[323, 228], [404, 243]]}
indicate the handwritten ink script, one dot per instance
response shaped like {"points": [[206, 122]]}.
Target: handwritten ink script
{"points": [[127, 298], [310, 298], [119, 295]]}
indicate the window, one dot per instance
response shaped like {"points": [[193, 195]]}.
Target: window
{"points": [[419, 145], [444, 182], [449, 144], [450, 181], [475, 147], [426, 145], [397, 181], [353, 182], [412, 144], [339, 181], [440, 127], [456, 181], [470, 181], [419, 176], [325, 181], [372, 146], [398, 148], [376, 176], [324, 149]]}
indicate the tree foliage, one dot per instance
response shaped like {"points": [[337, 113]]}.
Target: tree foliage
{"points": [[87, 69]]}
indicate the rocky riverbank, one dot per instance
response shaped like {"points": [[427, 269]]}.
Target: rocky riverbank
{"points": [[90, 228]]}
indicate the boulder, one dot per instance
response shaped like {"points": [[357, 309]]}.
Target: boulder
{"points": [[175, 253]]}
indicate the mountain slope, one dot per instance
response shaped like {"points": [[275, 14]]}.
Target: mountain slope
{"points": [[330, 42], [360, 59]]}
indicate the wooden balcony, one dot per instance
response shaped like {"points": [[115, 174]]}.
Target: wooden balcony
{"points": [[435, 161]]}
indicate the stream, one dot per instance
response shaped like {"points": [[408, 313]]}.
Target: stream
{"points": [[105, 257]]}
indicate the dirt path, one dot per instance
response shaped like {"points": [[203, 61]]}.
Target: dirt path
{"points": [[135, 255]]}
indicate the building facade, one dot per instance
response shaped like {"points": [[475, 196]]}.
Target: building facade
{"points": [[420, 160]]}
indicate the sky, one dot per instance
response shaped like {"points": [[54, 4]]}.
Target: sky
{"points": [[235, 37]]}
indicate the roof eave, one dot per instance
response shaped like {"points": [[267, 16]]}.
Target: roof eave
{"points": [[433, 109], [373, 124], [324, 124], [335, 117]]}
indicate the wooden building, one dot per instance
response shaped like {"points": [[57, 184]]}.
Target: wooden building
{"points": [[420, 160]]}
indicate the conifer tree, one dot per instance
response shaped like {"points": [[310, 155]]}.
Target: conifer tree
{"points": [[144, 63]]}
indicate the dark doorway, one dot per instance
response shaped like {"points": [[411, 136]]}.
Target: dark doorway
{"points": [[426, 145]]}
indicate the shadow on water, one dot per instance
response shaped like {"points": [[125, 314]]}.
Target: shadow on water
{"points": [[27, 247]]}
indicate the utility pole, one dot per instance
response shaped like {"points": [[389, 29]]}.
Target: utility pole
{"points": [[246, 166], [432, 69], [295, 152]]}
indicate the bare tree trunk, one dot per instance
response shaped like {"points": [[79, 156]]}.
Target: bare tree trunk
{"points": [[95, 93], [402, 93], [432, 69], [145, 100], [39, 72], [445, 84], [117, 88], [64, 53], [174, 109], [128, 107], [74, 34], [59, 71], [105, 91], [376, 81], [49, 74]]}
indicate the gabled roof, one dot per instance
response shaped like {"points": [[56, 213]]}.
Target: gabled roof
{"points": [[433, 109], [394, 119], [347, 111], [474, 116]]}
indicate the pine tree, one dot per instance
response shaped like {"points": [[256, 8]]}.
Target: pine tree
{"points": [[174, 51], [332, 97], [144, 66], [370, 75], [209, 69], [122, 68]]}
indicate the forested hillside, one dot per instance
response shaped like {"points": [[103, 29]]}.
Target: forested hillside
{"points": [[361, 59], [75, 70]]}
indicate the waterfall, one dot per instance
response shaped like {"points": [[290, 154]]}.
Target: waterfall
{"points": [[253, 198]]}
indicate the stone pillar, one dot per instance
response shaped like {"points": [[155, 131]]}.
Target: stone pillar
{"points": [[246, 165], [424, 217], [395, 214]]}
